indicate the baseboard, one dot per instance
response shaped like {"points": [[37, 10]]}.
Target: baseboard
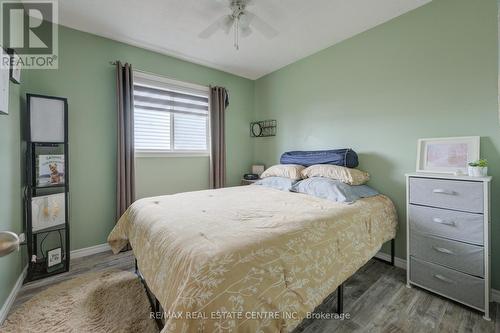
{"points": [[4, 311], [88, 251], [401, 263]]}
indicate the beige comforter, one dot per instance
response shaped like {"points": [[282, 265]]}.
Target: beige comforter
{"points": [[249, 258]]}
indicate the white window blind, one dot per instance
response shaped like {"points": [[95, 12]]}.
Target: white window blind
{"points": [[169, 116]]}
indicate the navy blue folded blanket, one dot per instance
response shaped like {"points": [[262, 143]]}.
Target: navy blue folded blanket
{"points": [[343, 157]]}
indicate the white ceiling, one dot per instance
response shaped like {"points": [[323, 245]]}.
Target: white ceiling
{"points": [[172, 27]]}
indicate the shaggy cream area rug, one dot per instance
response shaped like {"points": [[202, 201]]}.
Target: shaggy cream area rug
{"points": [[110, 301]]}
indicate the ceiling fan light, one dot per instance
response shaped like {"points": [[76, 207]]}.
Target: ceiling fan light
{"points": [[245, 32], [244, 20], [241, 21]]}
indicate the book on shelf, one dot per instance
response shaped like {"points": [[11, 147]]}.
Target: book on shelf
{"points": [[48, 211], [50, 170]]}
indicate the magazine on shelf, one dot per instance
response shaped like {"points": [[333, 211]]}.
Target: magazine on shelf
{"points": [[48, 211], [50, 170]]}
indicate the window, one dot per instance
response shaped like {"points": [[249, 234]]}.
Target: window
{"points": [[170, 117]]}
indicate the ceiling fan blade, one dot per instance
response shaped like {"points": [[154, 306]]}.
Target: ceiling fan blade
{"points": [[260, 25], [221, 3], [220, 23], [226, 23], [245, 32], [209, 31]]}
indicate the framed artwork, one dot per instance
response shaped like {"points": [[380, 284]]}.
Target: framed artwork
{"points": [[47, 117], [50, 170], [15, 67], [4, 82], [447, 155], [48, 211], [54, 257]]}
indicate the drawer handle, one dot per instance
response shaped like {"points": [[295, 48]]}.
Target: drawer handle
{"points": [[441, 221], [443, 191], [442, 250], [444, 279]]}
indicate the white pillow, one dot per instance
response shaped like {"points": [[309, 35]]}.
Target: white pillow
{"points": [[346, 175], [292, 171]]}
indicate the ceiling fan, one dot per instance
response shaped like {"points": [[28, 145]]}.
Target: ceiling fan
{"points": [[242, 20]]}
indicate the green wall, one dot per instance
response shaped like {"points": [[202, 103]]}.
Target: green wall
{"points": [[10, 189], [87, 79], [160, 176], [429, 73]]}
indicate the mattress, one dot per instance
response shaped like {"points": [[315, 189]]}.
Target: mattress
{"points": [[249, 258]]}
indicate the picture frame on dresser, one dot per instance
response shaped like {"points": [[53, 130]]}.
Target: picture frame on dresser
{"points": [[448, 237], [447, 155]]}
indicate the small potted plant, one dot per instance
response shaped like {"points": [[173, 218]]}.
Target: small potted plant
{"points": [[478, 168]]}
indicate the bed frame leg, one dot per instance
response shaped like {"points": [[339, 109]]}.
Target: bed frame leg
{"points": [[340, 299], [153, 301], [393, 249]]}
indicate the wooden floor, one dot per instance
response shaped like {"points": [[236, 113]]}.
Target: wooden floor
{"points": [[376, 299]]}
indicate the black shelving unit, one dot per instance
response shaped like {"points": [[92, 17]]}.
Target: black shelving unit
{"points": [[37, 261]]}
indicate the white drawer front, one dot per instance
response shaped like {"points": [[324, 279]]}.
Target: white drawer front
{"points": [[459, 286], [459, 195], [465, 227], [460, 256]]}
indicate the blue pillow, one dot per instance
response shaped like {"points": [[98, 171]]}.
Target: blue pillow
{"points": [[343, 157], [279, 183], [333, 190]]}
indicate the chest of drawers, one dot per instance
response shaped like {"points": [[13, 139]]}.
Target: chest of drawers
{"points": [[448, 237]]}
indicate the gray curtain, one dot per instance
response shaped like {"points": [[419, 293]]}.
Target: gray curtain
{"points": [[219, 101], [125, 175]]}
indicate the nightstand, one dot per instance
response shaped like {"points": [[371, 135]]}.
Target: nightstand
{"points": [[248, 182]]}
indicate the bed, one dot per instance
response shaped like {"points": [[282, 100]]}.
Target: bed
{"points": [[249, 258]]}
